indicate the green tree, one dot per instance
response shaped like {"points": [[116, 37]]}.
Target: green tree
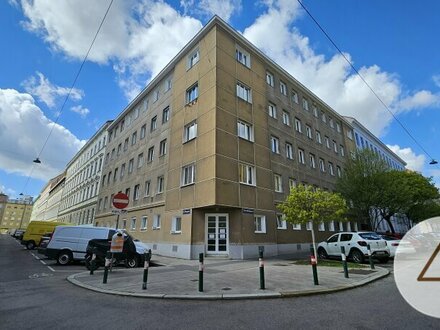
{"points": [[424, 211], [305, 204]]}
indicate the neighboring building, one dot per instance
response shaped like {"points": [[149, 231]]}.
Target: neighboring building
{"points": [[365, 139], [83, 174], [210, 147], [14, 213], [47, 203]]}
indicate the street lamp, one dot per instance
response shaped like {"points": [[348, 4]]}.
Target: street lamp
{"points": [[37, 161], [433, 162]]}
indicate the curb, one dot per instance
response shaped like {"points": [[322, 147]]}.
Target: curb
{"points": [[269, 295]]}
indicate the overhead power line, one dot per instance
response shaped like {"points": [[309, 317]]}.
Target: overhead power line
{"points": [[70, 91], [367, 84]]}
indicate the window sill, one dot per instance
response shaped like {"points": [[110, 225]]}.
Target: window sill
{"points": [[187, 184], [282, 228], [184, 142], [248, 184], [176, 232], [143, 229], [156, 228], [297, 229], [260, 232]]}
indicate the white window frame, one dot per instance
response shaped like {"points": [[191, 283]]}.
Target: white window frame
{"points": [[136, 192], [338, 171], [150, 154], [289, 150], [260, 224], [309, 225], [301, 156], [327, 142], [321, 226], [160, 184], [246, 174], [156, 221], [244, 92], [281, 221], [296, 226], [269, 79], [292, 183], [188, 175], [147, 188], [163, 147], [275, 144], [144, 223], [309, 132], [331, 169], [242, 56], [335, 146], [298, 126], [318, 137], [294, 97], [245, 131], [315, 111], [193, 58], [312, 160], [176, 225], [133, 224], [341, 148], [305, 104], [283, 88], [190, 132], [286, 118], [278, 183], [322, 165], [192, 93], [272, 110]]}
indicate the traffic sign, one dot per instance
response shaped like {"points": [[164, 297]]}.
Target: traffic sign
{"points": [[120, 201], [119, 211]]}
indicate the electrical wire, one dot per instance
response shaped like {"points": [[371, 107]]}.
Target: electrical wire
{"points": [[365, 82], [70, 91]]}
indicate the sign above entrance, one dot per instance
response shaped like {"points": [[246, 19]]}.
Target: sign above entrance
{"points": [[186, 211], [248, 211]]}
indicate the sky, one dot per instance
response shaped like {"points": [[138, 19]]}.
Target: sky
{"points": [[392, 43]]}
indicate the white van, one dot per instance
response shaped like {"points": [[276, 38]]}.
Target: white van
{"points": [[70, 242]]}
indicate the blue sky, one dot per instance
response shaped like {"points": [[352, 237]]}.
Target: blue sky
{"points": [[393, 43]]}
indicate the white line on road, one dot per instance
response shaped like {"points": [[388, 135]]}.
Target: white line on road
{"points": [[33, 254], [42, 262], [51, 268]]}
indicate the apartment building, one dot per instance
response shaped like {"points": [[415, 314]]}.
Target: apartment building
{"points": [[46, 205], [15, 213], [83, 174], [210, 147]]}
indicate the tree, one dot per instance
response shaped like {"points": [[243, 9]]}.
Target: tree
{"points": [[305, 204], [424, 211]]}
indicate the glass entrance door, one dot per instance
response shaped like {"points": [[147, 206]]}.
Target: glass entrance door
{"points": [[217, 234]]}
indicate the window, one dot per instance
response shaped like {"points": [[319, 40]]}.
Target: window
{"points": [[127, 192], [312, 160], [168, 84], [192, 93], [309, 225], [275, 144], [345, 237], [133, 138], [278, 183], [136, 192], [315, 111], [331, 226], [281, 222], [156, 96], [272, 108], [160, 184], [165, 115], [338, 171], [301, 157], [156, 221], [331, 122], [350, 134], [294, 97], [321, 165], [147, 188], [140, 161], [318, 137], [163, 147], [133, 224], [115, 175], [103, 180], [298, 126], [305, 104], [130, 165], [190, 132], [245, 131], [143, 130], [247, 174], [243, 57], [327, 142], [260, 224], [109, 177], [122, 171], [292, 183], [338, 127], [321, 226], [176, 225], [144, 223], [244, 92], [323, 118], [330, 168], [105, 202], [289, 151], [269, 78], [283, 88], [126, 144], [153, 124], [335, 146], [119, 149], [309, 132], [150, 155], [286, 118], [193, 58], [296, 226], [188, 175], [341, 147]]}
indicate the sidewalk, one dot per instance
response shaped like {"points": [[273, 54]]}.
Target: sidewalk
{"points": [[224, 279]]}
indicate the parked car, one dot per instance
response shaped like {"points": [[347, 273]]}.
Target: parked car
{"points": [[393, 243], [18, 234], [355, 246], [43, 242], [69, 243], [35, 231]]}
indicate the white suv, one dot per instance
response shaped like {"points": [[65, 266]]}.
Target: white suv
{"points": [[355, 246]]}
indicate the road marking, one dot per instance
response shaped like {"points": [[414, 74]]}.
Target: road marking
{"points": [[33, 254], [51, 268], [42, 262]]}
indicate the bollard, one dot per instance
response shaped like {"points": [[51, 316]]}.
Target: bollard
{"points": [[313, 262], [261, 265], [201, 272], [108, 261], [344, 261], [370, 258], [147, 256], [93, 262]]}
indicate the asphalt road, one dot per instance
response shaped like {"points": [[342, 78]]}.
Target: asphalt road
{"points": [[34, 296]]}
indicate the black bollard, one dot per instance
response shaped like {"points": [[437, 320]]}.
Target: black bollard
{"points": [[344, 261], [261, 266], [108, 261], [201, 272], [370, 258], [147, 256], [314, 268]]}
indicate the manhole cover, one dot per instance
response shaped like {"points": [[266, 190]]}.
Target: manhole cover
{"points": [[226, 289], [361, 271]]}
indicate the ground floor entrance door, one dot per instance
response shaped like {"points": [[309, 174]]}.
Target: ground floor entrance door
{"points": [[217, 234]]}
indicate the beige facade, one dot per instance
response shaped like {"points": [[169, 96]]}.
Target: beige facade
{"points": [[212, 145], [83, 174], [15, 213], [47, 203]]}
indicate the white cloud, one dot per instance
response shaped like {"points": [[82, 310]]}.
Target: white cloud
{"points": [[331, 78], [83, 112], [414, 162], [7, 191], [207, 8], [40, 87], [20, 145], [137, 38], [436, 79]]}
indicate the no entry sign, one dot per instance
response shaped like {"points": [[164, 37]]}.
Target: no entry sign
{"points": [[120, 201]]}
